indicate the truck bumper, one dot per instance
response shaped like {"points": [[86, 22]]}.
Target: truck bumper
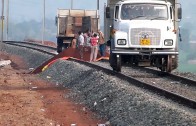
{"points": [[145, 52]]}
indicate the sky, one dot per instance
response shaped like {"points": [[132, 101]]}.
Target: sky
{"points": [[25, 10]]}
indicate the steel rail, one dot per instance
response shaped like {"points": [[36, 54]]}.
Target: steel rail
{"points": [[33, 48], [31, 43], [171, 76]]}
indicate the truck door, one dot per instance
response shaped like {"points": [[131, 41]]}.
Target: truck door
{"points": [[116, 18]]}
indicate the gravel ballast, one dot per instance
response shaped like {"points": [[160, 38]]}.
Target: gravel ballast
{"points": [[120, 102], [33, 58]]}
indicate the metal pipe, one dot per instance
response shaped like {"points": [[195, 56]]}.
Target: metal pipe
{"points": [[71, 4], [98, 13], [7, 19], [105, 23], [2, 18], [43, 29], [97, 4]]}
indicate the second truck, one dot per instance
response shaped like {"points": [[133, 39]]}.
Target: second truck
{"points": [[70, 21]]}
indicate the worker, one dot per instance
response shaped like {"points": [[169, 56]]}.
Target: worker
{"points": [[80, 39], [86, 37], [73, 42], [101, 42], [80, 43], [94, 47]]}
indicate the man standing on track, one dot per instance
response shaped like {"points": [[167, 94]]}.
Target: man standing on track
{"points": [[80, 43], [101, 43], [94, 47]]}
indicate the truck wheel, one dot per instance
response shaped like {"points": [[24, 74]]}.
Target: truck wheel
{"points": [[66, 45], [172, 63], [59, 45], [59, 49], [175, 62], [163, 64], [115, 62], [169, 63]]}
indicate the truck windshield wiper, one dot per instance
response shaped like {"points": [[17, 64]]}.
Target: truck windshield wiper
{"points": [[137, 17], [154, 18]]}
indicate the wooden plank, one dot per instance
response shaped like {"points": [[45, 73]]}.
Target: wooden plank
{"points": [[94, 24], [76, 12], [62, 26], [69, 30], [78, 21]]}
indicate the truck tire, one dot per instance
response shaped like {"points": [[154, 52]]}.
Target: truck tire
{"points": [[172, 63], [66, 45], [169, 64], [115, 62], [59, 45], [175, 62]]}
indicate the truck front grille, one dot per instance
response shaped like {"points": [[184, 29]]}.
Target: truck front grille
{"points": [[145, 33]]}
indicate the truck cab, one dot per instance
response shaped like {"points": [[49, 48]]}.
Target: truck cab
{"points": [[143, 33]]}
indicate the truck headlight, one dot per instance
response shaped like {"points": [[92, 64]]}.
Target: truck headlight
{"points": [[121, 42], [168, 42]]}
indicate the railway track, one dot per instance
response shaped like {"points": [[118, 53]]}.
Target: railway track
{"points": [[177, 88], [35, 46]]}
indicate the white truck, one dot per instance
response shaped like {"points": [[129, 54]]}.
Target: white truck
{"points": [[70, 21], [143, 33]]}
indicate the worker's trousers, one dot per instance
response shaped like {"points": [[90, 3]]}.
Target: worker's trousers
{"points": [[94, 51]]}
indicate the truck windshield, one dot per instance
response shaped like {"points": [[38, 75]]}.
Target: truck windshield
{"points": [[144, 12]]}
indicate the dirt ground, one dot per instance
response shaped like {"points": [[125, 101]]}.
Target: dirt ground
{"points": [[26, 100]]}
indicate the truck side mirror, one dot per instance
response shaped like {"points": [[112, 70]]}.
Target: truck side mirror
{"points": [[107, 12], [180, 13]]}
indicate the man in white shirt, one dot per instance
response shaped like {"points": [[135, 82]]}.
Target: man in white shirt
{"points": [[81, 44], [80, 38]]}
